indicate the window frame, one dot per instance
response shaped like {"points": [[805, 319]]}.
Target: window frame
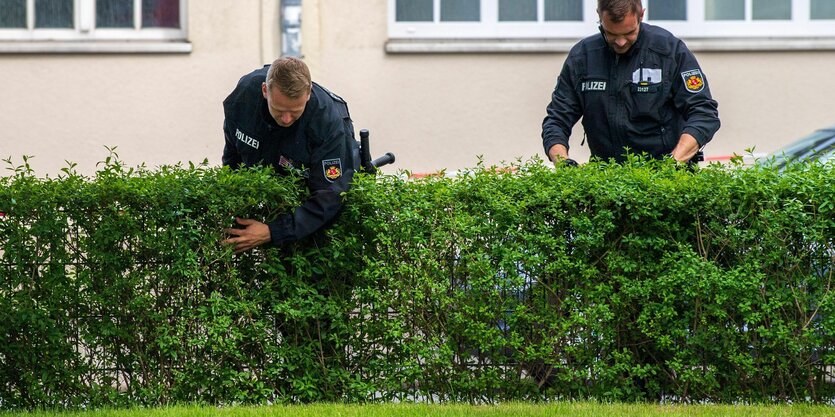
{"points": [[84, 27], [489, 27], [801, 26]]}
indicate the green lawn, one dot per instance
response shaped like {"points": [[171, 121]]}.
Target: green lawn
{"points": [[419, 410]]}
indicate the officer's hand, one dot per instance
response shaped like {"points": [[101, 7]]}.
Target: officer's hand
{"points": [[253, 233], [557, 153], [686, 148]]}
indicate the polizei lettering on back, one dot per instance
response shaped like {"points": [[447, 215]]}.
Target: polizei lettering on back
{"points": [[593, 86], [246, 139]]}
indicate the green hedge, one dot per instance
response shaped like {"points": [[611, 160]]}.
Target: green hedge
{"points": [[614, 282]]}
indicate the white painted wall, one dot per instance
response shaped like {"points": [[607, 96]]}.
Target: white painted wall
{"points": [[157, 109], [437, 111], [434, 111]]}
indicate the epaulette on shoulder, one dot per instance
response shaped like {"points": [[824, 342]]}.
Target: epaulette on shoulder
{"points": [[660, 40], [333, 95]]}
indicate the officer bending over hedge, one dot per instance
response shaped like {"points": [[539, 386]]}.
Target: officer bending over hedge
{"points": [[277, 116], [637, 88]]}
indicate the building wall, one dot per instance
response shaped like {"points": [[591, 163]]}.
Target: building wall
{"points": [[156, 109], [434, 111]]}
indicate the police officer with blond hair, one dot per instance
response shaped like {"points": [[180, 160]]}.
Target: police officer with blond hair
{"points": [[636, 86], [277, 116]]}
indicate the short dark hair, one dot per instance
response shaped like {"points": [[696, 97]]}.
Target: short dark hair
{"points": [[290, 75], [618, 9]]}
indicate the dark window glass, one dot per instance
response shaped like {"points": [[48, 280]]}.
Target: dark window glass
{"points": [[460, 10], [725, 10], [114, 13], [161, 13], [12, 13], [772, 9], [517, 10], [54, 14], [561, 10], [413, 11], [822, 9], [667, 9]]}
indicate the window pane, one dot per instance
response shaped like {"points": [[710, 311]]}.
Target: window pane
{"points": [[12, 13], [563, 10], [114, 13], [460, 10], [413, 11], [772, 9], [724, 9], [517, 10], [667, 9], [54, 14], [161, 13], [823, 9]]}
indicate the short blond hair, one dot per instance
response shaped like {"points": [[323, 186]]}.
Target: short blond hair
{"points": [[291, 76]]}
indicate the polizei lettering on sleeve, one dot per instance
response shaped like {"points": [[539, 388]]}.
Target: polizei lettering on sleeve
{"points": [[246, 139], [593, 86]]}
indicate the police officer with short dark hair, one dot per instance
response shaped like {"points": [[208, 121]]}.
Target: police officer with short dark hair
{"points": [[636, 86], [277, 116]]}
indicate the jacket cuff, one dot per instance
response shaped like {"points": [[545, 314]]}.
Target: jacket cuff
{"points": [[701, 139], [281, 229], [549, 143]]}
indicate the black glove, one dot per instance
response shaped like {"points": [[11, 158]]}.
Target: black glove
{"points": [[569, 163]]}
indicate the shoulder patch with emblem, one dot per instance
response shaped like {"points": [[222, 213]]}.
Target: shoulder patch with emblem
{"points": [[332, 168], [693, 80]]}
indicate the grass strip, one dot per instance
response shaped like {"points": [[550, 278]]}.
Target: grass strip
{"points": [[578, 409]]}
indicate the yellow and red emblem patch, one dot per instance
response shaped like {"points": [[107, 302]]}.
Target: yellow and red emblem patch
{"points": [[693, 80], [332, 168]]}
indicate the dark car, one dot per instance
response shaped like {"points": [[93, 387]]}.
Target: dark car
{"points": [[819, 145]]}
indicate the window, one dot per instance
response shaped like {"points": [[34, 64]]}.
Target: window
{"points": [[490, 18], [460, 10], [724, 9], [760, 10], [823, 10], [666, 9], [776, 19], [573, 19], [77, 20]]}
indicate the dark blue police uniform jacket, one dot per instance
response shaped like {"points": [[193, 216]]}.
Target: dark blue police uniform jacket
{"points": [[642, 100], [320, 143]]}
